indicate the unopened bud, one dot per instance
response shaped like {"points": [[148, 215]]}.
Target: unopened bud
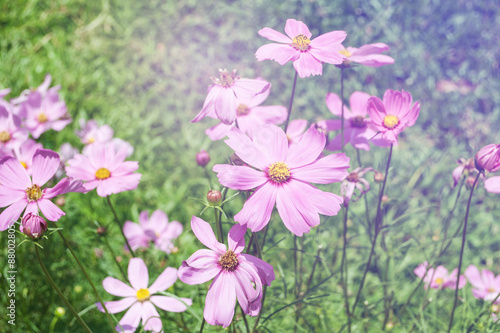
{"points": [[202, 158], [385, 199], [78, 289], [389, 326], [214, 197], [33, 226], [60, 201], [378, 177], [101, 231], [59, 312], [488, 158]]}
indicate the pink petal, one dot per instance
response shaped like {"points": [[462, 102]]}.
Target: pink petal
{"points": [[472, 274], [373, 60], [239, 177], [124, 168], [307, 150], [246, 89], [265, 270], [245, 292], [296, 128], [326, 170], [359, 103], [272, 141], [65, 185], [50, 210], [281, 53], [45, 164], [306, 65], [294, 28], [11, 214], [118, 184], [13, 174], [117, 306], [166, 279], [150, 318], [492, 184], [201, 267], [130, 321], [247, 150], [274, 35], [329, 40], [334, 104], [205, 235], [116, 287], [131, 229], [256, 211], [174, 229], [138, 275], [171, 304], [218, 132], [270, 114], [208, 105], [236, 238], [9, 195], [225, 106], [221, 292], [329, 54]]}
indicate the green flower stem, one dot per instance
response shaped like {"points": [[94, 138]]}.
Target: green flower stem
{"points": [[290, 104], [120, 226], [464, 236], [58, 291], [218, 226], [125, 277], [342, 108], [343, 267]]}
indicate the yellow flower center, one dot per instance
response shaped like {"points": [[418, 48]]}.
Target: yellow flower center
{"points": [[279, 172], [353, 177], [391, 121], [91, 140], [439, 281], [345, 52], [102, 173], [301, 42], [24, 165], [358, 121], [242, 110], [34, 193], [229, 261], [490, 290], [4, 136], [142, 295], [42, 118]]}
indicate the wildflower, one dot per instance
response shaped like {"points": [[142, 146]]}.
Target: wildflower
{"points": [[488, 158], [354, 181], [156, 229], [307, 55], [367, 55], [19, 191], [33, 226], [91, 132], [223, 96], [439, 278], [250, 116], [140, 300], [282, 176], [12, 135], [485, 285], [202, 158], [465, 166], [392, 115], [104, 167], [236, 275], [356, 130]]}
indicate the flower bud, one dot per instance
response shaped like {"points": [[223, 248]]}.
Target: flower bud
{"points": [[33, 226], [378, 177], [202, 158], [488, 158], [59, 312], [60, 201], [101, 231], [214, 197], [385, 199]]}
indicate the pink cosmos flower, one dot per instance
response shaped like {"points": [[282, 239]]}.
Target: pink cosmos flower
{"points": [[44, 110], [356, 130], [104, 167], [140, 300], [12, 135], [439, 278], [156, 229], [18, 191], [91, 132], [368, 55], [392, 115], [485, 285], [295, 130], [282, 176], [307, 55], [354, 181], [488, 158], [222, 98], [236, 275], [250, 116]]}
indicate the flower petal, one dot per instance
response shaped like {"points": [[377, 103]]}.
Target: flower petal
{"points": [[236, 238], [307, 150], [45, 164], [225, 106], [201, 267], [294, 28], [117, 306], [11, 214], [326, 170], [307, 65], [473, 276], [138, 275], [9, 195], [13, 174], [281, 53], [50, 210], [274, 35], [221, 292], [171, 304], [130, 321], [247, 150], [116, 287], [150, 318], [265, 270], [239, 177], [256, 211], [166, 279], [205, 235]]}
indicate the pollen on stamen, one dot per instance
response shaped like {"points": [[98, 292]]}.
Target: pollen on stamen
{"points": [[353, 177], [142, 295], [34, 193], [346, 53], [102, 173], [229, 261], [42, 118], [242, 110], [301, 42], [225, 79], [24, 165], [4, 137], [439, 281], [278, 172], [391, 121]]}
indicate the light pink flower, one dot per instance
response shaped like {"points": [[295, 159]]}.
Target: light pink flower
{"points": [[492, 184], [18, 191], [295, 130], [488, 158], [104, 167], [140, 300], [44, 110], [250, 116], [156, 229], [356, 130], [392, 115], [465, 166], [368, 55], [307, 55], [236, 275], [281, 176], [222, 98], [439, 278], [67, 152], [12, 135], [354, 181], [91, 132], [485, 285]]}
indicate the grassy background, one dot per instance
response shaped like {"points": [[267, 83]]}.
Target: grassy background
{"points": [[143, 68]]}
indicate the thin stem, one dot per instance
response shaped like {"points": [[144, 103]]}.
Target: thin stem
{"points": [[114, 258], [464, 235], [202, 325], [245, 319], [343, 266], [218, 227], [342, 108], [295, 265], [117, 220], [291, 101], [58, 291], [260, 312], [87, 277], [365, 199]]}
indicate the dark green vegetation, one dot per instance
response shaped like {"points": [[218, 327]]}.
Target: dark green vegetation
{"points": [[143, 68]]}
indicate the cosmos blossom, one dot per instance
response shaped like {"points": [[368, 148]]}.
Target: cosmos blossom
{"points": [[355, 181], [367, 55], [140, 300], [156, 229], [281, 176], [439, 278], [393, 114], [222, 98], [104, 167], [485, 284], [91, 132], [12, 135], [236, 275], [307, 55], [19, 191]]}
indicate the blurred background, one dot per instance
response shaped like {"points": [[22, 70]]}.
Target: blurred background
{"points": [[143, 67]]}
